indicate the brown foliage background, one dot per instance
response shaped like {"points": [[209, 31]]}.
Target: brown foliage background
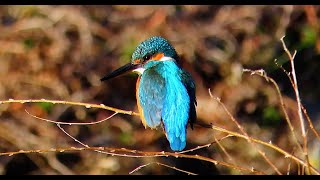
{"points": [[61, 52]]}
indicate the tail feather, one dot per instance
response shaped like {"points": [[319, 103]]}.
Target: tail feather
{"points": [[177, 143]]}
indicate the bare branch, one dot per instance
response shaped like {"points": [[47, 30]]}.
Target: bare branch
{"points": [[310, 122], [267, 144], [263, 154], [224, 150], [135, 154], [64, 123], [263, 74], [206, 145], [295, 87], [161, 164], [296, 90], [87, 105]]}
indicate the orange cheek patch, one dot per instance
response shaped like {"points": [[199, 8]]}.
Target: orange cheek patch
{"points": [[157, 56]]}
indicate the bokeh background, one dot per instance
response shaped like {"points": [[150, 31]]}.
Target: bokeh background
{"points": [[61, 52]]}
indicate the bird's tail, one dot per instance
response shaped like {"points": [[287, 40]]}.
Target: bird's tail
{"points": [[177, 143]]}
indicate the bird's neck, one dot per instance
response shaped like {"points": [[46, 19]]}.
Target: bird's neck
{"points": [[165, 67]]}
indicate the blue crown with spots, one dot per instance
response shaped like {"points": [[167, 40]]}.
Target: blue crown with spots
{"points": [[152, 46]]}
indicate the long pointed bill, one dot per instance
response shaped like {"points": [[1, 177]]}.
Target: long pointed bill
{"points": [[122, 70]]}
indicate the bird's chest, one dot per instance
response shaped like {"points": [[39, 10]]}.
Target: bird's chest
{"points": [[152, 87], [158, 85], [157, 82]]}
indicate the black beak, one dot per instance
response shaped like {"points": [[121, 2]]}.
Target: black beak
{"points": [[122, 70]]}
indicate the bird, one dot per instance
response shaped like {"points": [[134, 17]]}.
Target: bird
{"points": [[165, 92]]}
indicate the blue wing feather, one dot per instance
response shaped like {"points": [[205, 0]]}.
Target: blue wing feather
{"points": [[175, 112], [151, 95], [191, 88]]}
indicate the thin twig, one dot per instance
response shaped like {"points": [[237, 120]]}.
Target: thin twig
{"points": [[263, 154], [113, 152], [177, 155], [263, 74], [267, 144], [224, 150], [303, 108], [289, 167], [206, 145], [87, 105], [135, 154], [85, 145], [295, 87], [310, 122], [65, 123], [285, 71], [296, 90], [161, 164], [140, 167], [91, 123]]}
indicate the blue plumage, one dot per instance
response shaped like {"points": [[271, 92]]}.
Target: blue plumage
{"points": [[191, 88], [154, 45], [162, 92], [151, 96], [165, 92]]}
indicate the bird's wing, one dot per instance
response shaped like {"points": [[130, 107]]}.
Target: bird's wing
{"points": [[151, 96], [175, 112], [191, 88]]}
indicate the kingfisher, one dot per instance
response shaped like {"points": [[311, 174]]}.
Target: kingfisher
{"points": [[165, 92]]}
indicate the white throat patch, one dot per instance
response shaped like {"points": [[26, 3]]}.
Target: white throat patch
{"points": [[165, 58], [139, 70]]}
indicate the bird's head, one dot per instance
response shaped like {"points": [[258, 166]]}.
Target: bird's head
{"points": [[153, 49]]}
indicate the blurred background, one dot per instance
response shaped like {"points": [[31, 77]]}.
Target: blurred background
{"points": [[61, 52]]}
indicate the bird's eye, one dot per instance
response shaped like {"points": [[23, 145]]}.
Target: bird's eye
{"points": [[146, 57]]}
